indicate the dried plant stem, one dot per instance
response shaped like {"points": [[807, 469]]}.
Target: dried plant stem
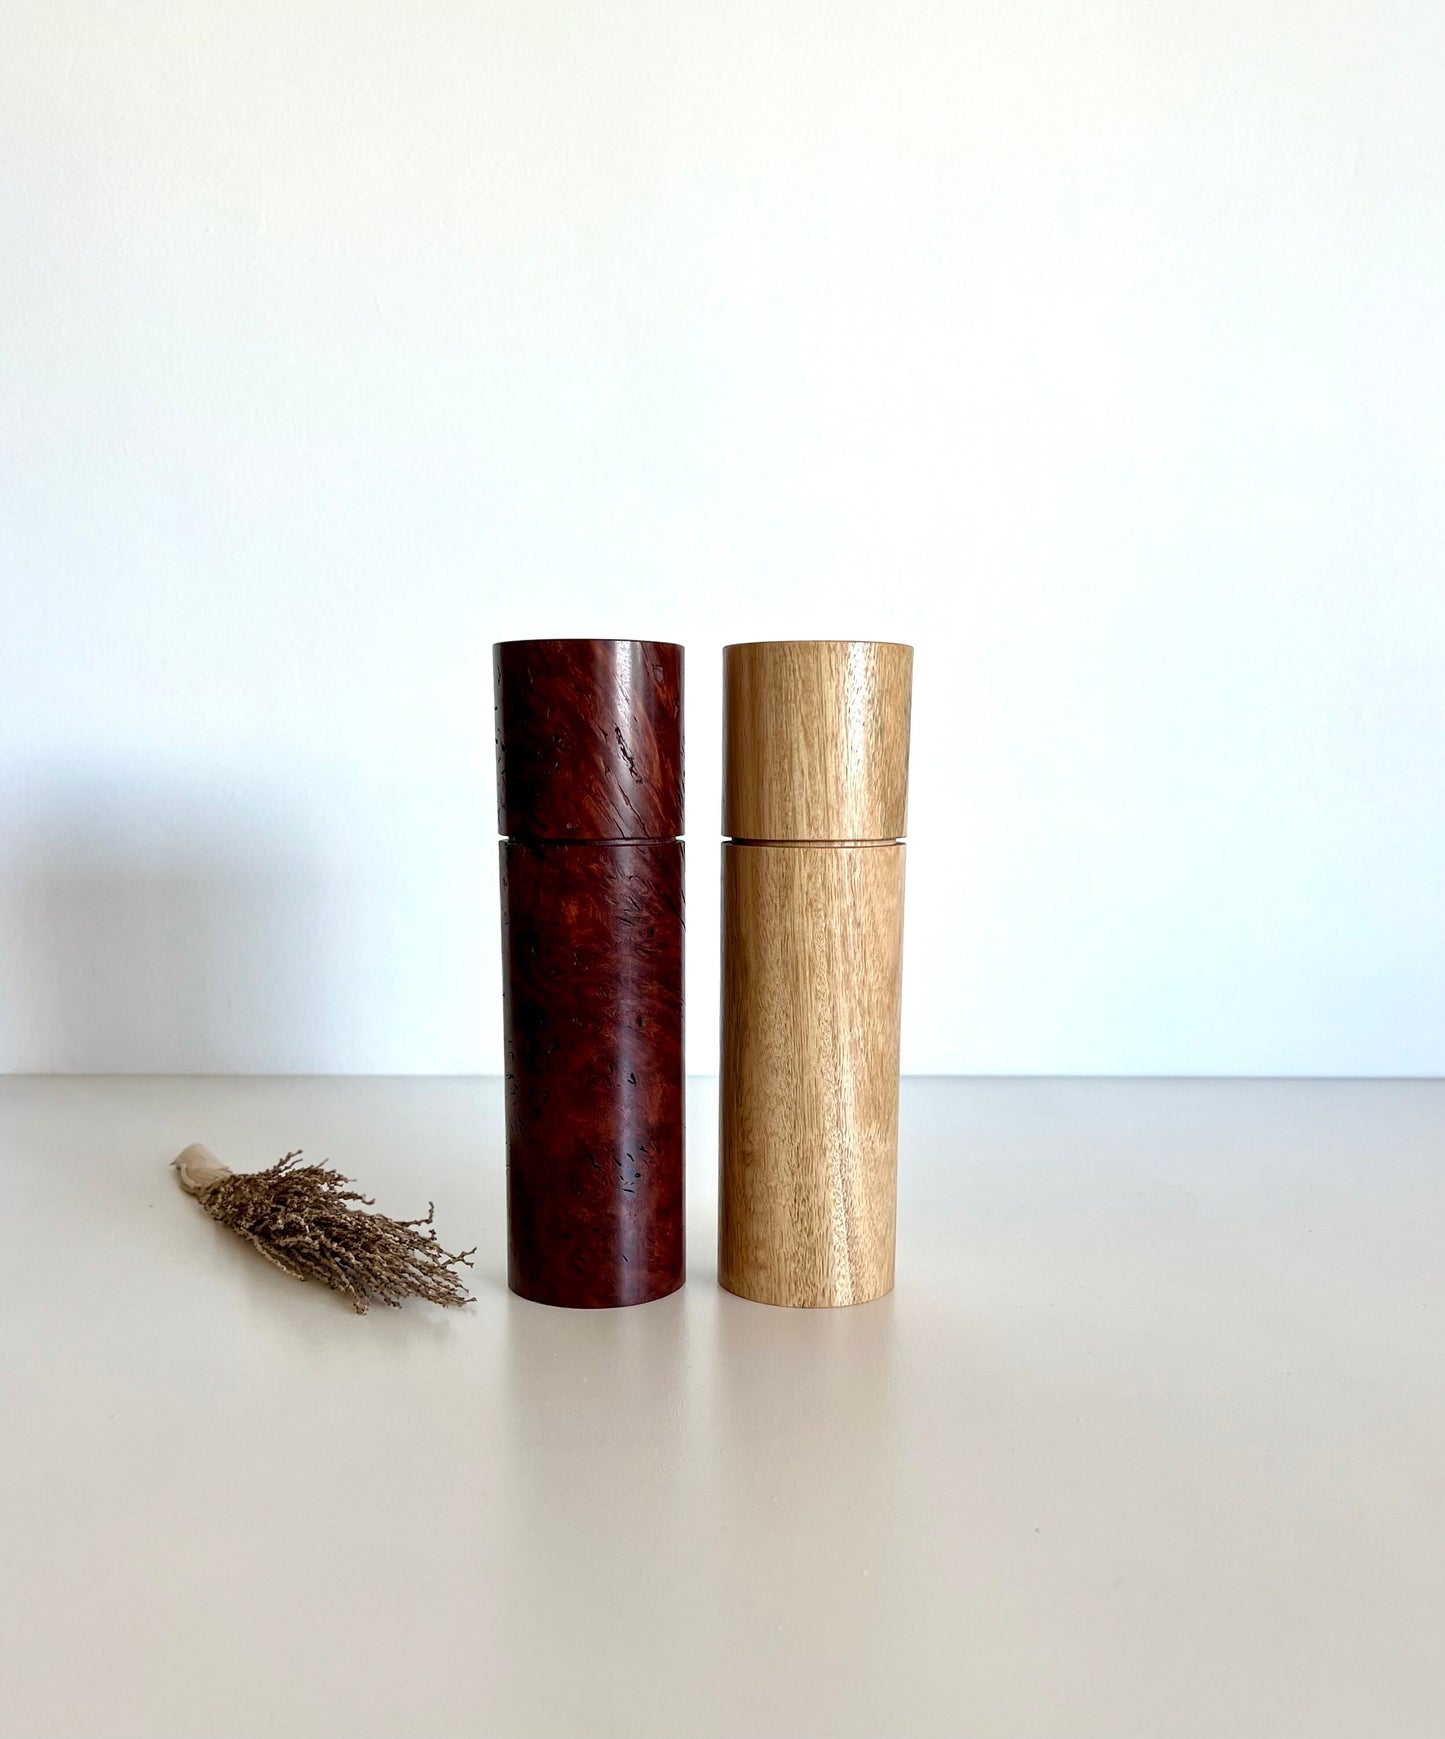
{"points": [[307, 1219]]}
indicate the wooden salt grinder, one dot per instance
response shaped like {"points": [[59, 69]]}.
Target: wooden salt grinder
{"points": [[814, 807], [589, 797]]}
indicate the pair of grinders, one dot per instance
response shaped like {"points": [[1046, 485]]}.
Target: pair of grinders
{"points": [[589, 772]]}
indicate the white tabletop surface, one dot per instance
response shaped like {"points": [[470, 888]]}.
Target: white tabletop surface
{"points": [[1150, 1440]]}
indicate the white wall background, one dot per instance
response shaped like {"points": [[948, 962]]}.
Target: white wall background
{"points": [[1098, 349]]}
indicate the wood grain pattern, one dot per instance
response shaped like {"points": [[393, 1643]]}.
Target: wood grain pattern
{"points": [[812, 956], [592, 993], [816, 735], [589, 786], [589, 739]]}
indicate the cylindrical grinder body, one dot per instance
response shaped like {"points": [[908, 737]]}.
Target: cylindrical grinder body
{"points": [[815, 802], [589, 793]]}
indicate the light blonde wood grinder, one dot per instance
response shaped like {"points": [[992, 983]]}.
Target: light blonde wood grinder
{"points": [[814, 809]]}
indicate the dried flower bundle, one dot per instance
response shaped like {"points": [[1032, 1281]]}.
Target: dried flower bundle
{"points": [[308, 1220]]}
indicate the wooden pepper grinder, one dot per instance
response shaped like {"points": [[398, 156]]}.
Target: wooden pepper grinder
{"points": [[814, 807], [589, 797]]}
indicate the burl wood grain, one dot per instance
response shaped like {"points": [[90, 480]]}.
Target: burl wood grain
{"points": [[812, 952], [592, 957], [816, 738], [589, 739]]}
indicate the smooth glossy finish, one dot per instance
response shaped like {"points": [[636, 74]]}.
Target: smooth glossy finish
{"points": [[592, 983], [589, 739], [812, 982], [589, 782], [1148, 1447]]}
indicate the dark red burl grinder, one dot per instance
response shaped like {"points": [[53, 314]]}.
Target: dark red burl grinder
{"points": [[589, 799]]}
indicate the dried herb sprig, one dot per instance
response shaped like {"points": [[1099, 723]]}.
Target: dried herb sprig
{"points": [[308, 1220]]}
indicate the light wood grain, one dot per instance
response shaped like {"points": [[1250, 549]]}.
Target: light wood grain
{"points": [[812, 967], [816, 738]]}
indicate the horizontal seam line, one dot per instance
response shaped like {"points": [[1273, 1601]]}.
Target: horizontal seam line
{"points": [[538, 839]]}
